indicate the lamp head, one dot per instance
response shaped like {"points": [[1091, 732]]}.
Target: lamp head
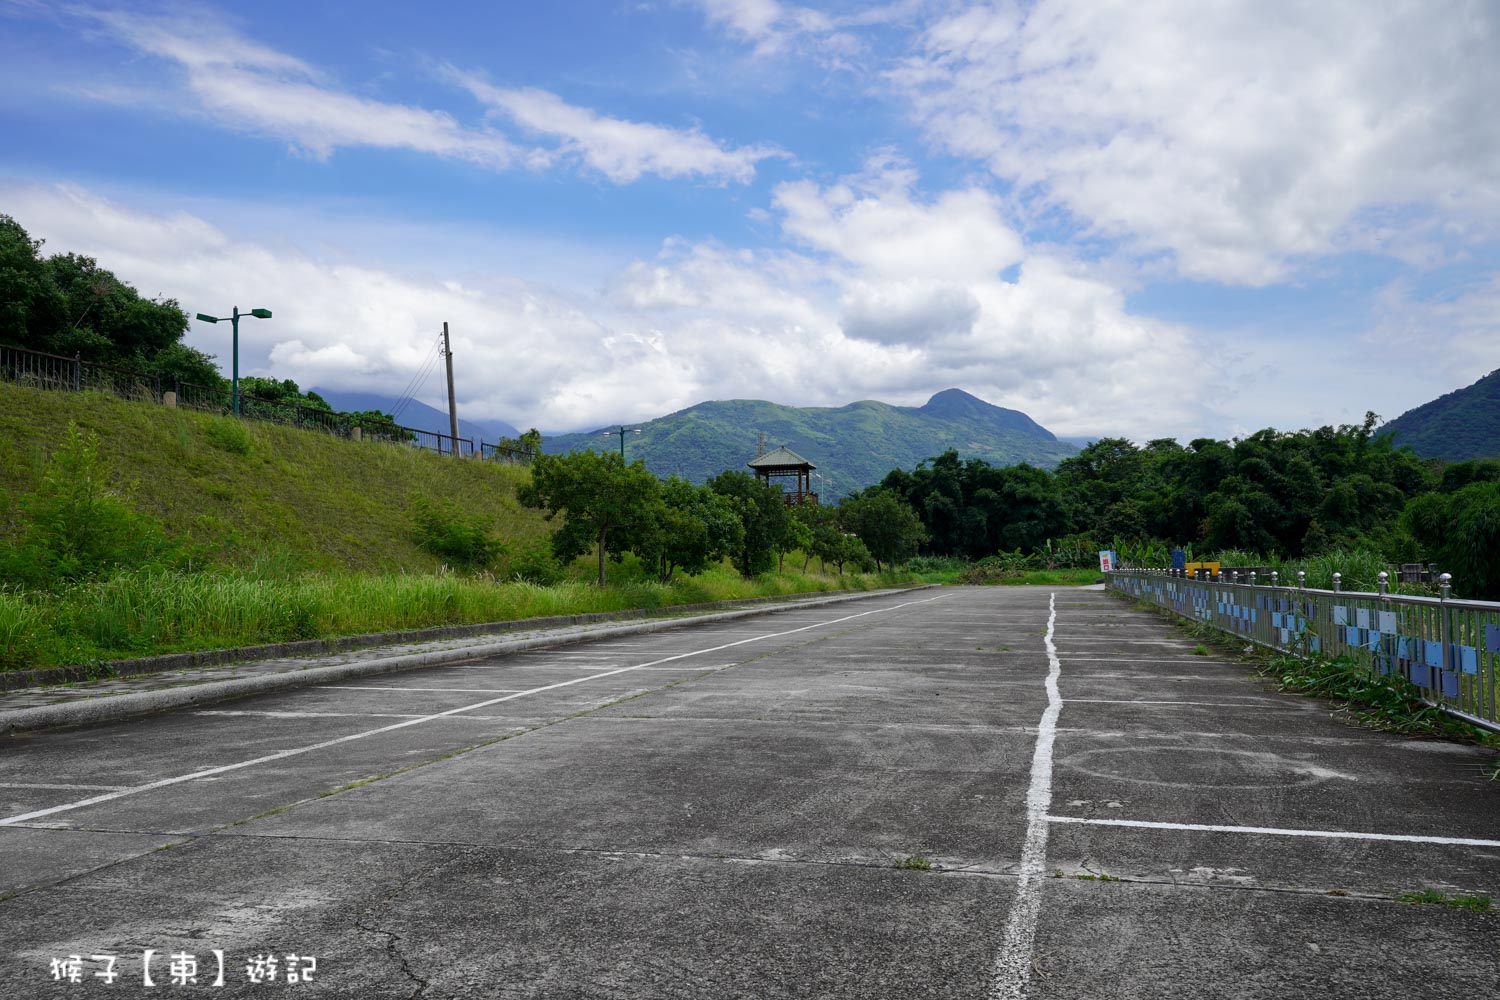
{"points": [[207, 318], [261, 313]]}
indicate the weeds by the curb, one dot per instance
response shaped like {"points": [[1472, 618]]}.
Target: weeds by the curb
{"points": [[1436, 897]]}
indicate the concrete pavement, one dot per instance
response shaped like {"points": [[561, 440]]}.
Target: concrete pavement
{"points": [[884, 798]]}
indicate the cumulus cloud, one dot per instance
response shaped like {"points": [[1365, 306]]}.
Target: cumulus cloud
{"points": [[820, 326], [875, 222], [620, 150], [1236, 137]]}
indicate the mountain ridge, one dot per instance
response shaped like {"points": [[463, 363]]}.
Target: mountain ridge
{"points": [[1458, 425], [852, 446]]}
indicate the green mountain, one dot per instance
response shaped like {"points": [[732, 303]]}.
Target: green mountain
{"points": [[852, 446], [1462, 425]]}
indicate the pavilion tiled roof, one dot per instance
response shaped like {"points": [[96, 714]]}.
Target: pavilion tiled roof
{"points": [[781, 458]]}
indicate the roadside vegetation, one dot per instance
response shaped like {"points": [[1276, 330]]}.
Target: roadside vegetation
{"points": [[1335, 499], [228, 533]]}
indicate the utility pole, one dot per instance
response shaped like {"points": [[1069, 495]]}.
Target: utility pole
{"points": [[760, 443], [452, 405]]}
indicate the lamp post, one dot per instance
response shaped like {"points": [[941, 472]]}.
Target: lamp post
{"points": [[621, 431], [234, 320]]}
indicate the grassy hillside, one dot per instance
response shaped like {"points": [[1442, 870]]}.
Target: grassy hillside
{"points": [[248, 492], [293, 535], [1458, 426], [852, 446]]}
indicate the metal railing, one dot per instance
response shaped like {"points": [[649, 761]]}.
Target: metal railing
{"points": [[1448, 648], [40, 370], [506, 453]]}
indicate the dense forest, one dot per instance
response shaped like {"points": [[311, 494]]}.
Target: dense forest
{"points": [[1272, 494]]}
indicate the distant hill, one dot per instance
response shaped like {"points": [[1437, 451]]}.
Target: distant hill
{"points": [[418, 415], [1461, 425], [852, 446]]}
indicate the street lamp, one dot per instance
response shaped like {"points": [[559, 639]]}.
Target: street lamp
{"points": [[621, 431], [234, 320]]}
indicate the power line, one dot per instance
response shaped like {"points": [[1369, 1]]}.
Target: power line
{"points": [[419, 379]]}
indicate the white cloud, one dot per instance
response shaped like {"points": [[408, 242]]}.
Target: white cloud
{"points": [[620, 150], [245, 85], [877, 224], [700, 321], [775, 28], [1239, 137], [248, 86]]}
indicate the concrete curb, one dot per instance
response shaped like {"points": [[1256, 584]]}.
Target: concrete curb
{"points": [[11, 680], [111, 708]]}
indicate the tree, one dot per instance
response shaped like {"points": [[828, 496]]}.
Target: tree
{"points": [[1461, 532], [602, 501], [690, 527], [31, 307], [763, 515], [889, 528]]}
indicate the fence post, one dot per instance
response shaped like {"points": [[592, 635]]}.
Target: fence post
{"points": [[77, 371], [1445, 589]]}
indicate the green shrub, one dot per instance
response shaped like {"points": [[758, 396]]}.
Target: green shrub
{"points": [[228, 435], [450, 534], [536, 564], [75, 525]]}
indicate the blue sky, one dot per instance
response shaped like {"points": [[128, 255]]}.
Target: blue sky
{"points": [[1149, 219]]}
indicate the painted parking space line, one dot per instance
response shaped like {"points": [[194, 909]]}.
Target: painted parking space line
{"points": [[1259, 703], [296, 751], [372, 687], [308, 715], [63, 788], [1012, 966], [1402, 838]]}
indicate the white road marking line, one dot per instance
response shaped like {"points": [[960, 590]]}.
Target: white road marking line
{"points": [[295, 751], [311, 715], [76, 788], [371, 687], [1278, 831], [1142, 659], [1013, 962], [1263, 702]]}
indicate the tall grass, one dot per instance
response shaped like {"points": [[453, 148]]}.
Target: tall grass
{"points": [[138, 613], [1359, 569], [20, 630]]}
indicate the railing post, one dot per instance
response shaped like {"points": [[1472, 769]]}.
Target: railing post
{"points": [[1301, 580], [77, 371], [1445, 590], [1274, 577], [1384, 582], [1338, 582], [1252, 578]]}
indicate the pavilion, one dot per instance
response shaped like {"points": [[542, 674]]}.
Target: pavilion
{"points": [[782, 464]]}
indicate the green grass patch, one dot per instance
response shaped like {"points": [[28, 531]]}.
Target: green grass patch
{"points": [[144, 613], [230, 491], [915, 863], [1200, 650], [1389, 702], [1098, 877], [1436, 897]]}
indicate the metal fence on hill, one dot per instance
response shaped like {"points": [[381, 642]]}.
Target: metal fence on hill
{"points": [[39, 370], [1448, 648]]}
